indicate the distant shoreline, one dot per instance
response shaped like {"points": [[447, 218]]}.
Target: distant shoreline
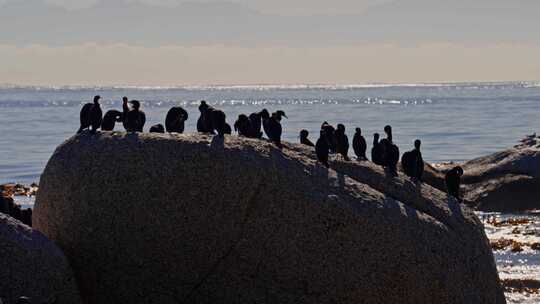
{"points": [[269, 86]]}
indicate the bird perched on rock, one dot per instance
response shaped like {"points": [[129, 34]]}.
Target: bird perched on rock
{"points": [[125, 110], [255, 120], [304, 140], [91, 116], [175, 120], [342, 141], [377, 151], [202, 124], [453, 182], [265, 117], [212, 120], [243, 125], [157, 129], [134, 118], [272, 126], [218, 122], [390, 152], [359, 145], [110, 119], [329, 134], [321, 149], [413, 163]]}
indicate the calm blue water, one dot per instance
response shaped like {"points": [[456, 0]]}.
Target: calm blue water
{"points": [[455, 122]]}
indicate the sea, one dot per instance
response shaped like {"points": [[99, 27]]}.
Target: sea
{"points": [[456, 122]]}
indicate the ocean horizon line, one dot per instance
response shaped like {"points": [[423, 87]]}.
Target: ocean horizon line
{"points": [[470, 85]]}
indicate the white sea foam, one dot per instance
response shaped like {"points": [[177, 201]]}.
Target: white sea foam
{"points": [[524, 265]]}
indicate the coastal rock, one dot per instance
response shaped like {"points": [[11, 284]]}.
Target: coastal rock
{"points": [[507, 181], [168, 218], [32, 266], [8, 207]]}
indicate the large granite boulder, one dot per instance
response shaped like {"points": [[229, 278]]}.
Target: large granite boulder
{"points": [[169, 218], [32, 266]]}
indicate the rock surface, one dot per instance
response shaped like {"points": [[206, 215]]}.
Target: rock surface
{"points": [[169, 218], [32, 266], [8, 207], [506, 181]]}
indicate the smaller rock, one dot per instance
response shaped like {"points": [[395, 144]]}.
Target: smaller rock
{"points": [[501, 244], [506, 181], [33, 266], [523, 286], [516, 247], [8, 206]]}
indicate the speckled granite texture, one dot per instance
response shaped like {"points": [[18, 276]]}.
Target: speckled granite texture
{"points": [[32, 266], [161, 218]]}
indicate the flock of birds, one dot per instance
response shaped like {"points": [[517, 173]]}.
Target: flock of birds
{"points": [[211, 120]]}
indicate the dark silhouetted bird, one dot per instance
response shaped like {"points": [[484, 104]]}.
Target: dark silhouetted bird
{"points": [[134, 119], [342, 141], [255, 120], [272, 126], [321, 149], [175, 120], [390, 152], [212, 120], [243, 125], [359, 145], [377, 151], [157, 129], [453, 182], [329, 135], [125, 110], [265, 117], [413, 163], [304, 138], [91, 116], [110, 119], [202, 122], [218, 122]]}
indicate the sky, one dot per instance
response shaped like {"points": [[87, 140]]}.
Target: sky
{"points": [[226, 42]]}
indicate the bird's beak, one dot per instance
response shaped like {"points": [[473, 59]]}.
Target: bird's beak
{"points": [[285, 116]]}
